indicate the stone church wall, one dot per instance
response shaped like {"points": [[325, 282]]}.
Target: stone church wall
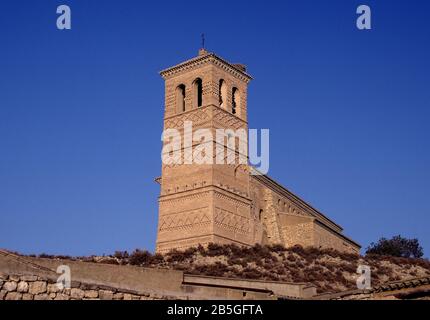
{"points": [[288, 220], [297, 230], [328, 239]]}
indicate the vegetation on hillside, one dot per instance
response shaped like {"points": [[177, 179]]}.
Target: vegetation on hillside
{"points": [[328, 269], [397, 247]]}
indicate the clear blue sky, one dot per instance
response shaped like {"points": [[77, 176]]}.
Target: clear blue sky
{"points": [[81, 113]]}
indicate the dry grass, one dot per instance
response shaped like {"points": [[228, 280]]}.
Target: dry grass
{"points": [[328, 269]]}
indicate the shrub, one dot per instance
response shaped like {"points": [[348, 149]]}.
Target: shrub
{"points": [[236, 261], [157, 258], [414, 273], [349, 267], [296, 276], [88, 259], [251, 273], [424, 263], [214, 250], [109, 261], [183, 267], [140, 257], [174, 256], [62, 257], [279, 270], [331, 266], [291, 258], [277, 248], [217, 269], [298, 249], [239, 252], [397, 247], [200, 249], [261, 252], [339, 273], [121, 255]]}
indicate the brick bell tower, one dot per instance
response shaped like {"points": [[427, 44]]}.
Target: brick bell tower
{"points": [[203, 203]]}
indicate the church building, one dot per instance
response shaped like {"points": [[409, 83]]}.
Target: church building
{"points": [[225, 203]]}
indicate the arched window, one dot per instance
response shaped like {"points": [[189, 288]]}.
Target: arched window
{"points": [[222, 94], [260, 214], [198, 92], [180, 98], [235, 100]]}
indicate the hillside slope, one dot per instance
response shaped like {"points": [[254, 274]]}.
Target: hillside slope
{"points": [[329, 270]]}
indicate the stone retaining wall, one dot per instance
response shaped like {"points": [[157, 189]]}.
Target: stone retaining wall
{"points": [[32, 287], [35, 279]]}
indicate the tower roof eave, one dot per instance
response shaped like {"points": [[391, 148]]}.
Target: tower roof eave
{"points": [[208, 57]]}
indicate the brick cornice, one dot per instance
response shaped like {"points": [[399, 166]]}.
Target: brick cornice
{"points": [[205, 59]]}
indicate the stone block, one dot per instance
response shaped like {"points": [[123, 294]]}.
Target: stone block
{"points": [[37, 287], [77, 294], [22, 287], [10, 286], [118, 296], [42, 296], [53, 288], [62, 296], [91, 294], [128, 296], [105, 295], [13, 296], [27, 296]]}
